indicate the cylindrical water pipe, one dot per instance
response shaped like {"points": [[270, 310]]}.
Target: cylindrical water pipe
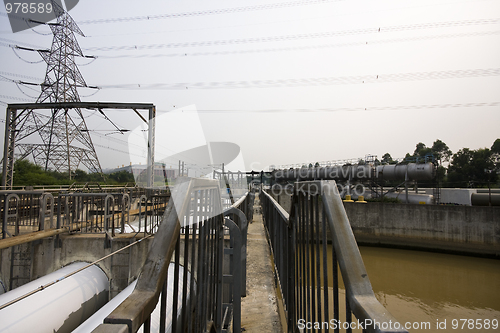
{"points": [[90, 324], [155, 315], [424, 171], [485, 199], [97, 318], [58, 308], [414, 171]]}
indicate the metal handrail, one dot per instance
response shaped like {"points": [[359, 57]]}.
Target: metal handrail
{"points": [[206, 238], [362, 300], [359, 293], [137, 308]]}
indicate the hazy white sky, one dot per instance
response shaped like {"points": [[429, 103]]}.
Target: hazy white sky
{"points": [[288, 81]]}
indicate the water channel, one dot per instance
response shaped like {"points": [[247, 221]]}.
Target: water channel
{"points": [[424, 287]]}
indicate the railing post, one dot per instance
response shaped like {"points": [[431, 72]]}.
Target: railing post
{"points": [[236, 240], [290, 293], [8, 215], [125, 208], [243, 225], [108, 214], [43, 210]]}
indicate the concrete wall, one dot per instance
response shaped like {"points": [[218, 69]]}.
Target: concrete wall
{"points": [[471, 230], [460, 229], [43, 257]]}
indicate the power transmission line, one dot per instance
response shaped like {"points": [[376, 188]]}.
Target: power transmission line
{"points": [[208, 12], [300, 48], [286, 38], [21, 76], [322, 81], [301, 82], [20, 99], [31, 47], [354, 109], [12, 43]]}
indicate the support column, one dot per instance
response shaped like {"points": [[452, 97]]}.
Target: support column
{"points": [[151, 147], [8, 150]]}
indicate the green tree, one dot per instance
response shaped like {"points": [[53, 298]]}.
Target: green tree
{"points": [[441, 151], [387, 159], [122, 177], [495, 148], [418, 148], [419, 154], [472, 167], [29, 174], [80, 175], [495, 153], [460, 168], [407, 158]]}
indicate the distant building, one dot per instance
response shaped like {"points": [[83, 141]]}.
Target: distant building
{"points": [[137, 169]]}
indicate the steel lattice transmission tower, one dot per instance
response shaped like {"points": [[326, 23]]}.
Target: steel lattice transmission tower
{"points": [[65, 139]]}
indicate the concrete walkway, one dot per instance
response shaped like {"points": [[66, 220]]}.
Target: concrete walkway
{"points": [[259, 311]]}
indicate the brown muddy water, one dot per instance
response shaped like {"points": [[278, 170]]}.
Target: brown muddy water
{"points": [[436, 292]]}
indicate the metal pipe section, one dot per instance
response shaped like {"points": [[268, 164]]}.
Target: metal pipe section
{"points": [[58, 308], [424, 171], [155, 315], [331, 172], [98, 318], [485, 199], [413, 198], [414, 171]]}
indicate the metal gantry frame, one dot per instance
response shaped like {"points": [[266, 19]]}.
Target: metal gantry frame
{"points": [[13, 116]]}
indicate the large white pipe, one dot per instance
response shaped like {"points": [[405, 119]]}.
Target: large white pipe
{"points": [[98, 318], [155, 315], [412, 197], [58, 308]]}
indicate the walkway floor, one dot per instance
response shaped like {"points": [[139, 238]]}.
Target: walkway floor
{"points": [[259, 311]]}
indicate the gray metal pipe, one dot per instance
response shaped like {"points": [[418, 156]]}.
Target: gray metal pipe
{"points": [[414, 171], [483, 199], [331, 172], [424, 171]]}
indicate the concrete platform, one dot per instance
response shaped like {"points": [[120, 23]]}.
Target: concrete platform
{"points": [[259, 311]]}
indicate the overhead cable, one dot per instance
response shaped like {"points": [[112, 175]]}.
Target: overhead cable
{"points": [[299, 48], [279, 5], [285, 38], [321, 81], [351, 109], [16, 98]]}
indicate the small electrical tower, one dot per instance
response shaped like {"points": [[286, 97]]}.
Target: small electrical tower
{"points": [[65, 138]]}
